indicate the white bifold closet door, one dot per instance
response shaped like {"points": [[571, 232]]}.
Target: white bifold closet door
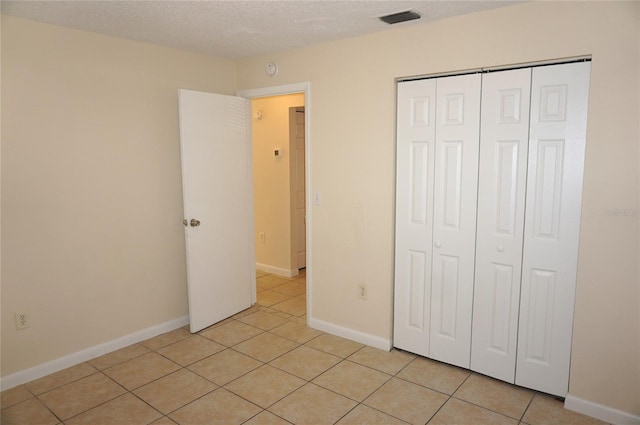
{"points": [[414, 214], [454, 217], [501, 200], [558, 123], [437, 160], [488, 202], [527, 249]]}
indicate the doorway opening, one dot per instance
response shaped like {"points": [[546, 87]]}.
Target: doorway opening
{"points": [[303, 110], [278, 145]]}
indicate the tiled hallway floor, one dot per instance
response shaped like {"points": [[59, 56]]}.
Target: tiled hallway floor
{"points": [[265, 366]]}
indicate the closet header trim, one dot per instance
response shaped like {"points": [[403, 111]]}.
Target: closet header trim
{"points": [[496, 68]]}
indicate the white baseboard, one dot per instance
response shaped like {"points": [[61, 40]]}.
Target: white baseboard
{"points": [[78, 357], [361, 337], [599, 411], [277, 270]]}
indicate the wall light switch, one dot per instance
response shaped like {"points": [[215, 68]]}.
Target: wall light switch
{"points": [[316, 198]]}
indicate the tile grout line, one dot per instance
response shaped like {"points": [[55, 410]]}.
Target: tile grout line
{"points": [[485, 407], [92, 407]]}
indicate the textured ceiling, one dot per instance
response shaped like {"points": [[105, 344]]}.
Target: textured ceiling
{"points": [[235, 28]]}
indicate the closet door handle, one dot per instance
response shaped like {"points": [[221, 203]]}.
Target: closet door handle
{"points": [[438, 244], [500, 248]]}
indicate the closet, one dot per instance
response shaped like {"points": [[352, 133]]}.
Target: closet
{"points": [[488, 198]]}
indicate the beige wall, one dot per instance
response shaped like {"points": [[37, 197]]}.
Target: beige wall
{"points": [[91, 197], [92, 240], [352, 164], [272, 178]]}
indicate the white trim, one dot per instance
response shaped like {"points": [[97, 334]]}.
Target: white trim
{"points": [[305, 88], [78, 357], [276, 91], [361, 337], [599, 411], [586, 58], [277, 270]]}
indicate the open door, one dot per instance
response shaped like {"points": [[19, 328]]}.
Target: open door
{"points": [[218, 205]]}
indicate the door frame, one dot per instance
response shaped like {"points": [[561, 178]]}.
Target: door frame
{"points": [[305, 88]]}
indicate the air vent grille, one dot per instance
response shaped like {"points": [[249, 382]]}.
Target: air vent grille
{"points": [[395, 18]]}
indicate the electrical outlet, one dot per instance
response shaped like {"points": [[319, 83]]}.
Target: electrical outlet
{"points": [[263, 238], [362, 291], [23, 321]]}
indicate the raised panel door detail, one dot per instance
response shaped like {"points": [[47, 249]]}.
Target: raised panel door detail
{"points": [[501, 202], [553, 103], [552, 225], [420, 111], [502, 288], [548, 188], [454, 217], [415, 141], [454, 109], [506, 186], [416, 301], [509, 105], [419, 172], [447, 306], [452, 172], [540, 316]]}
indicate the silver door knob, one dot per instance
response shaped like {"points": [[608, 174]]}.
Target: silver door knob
{"points": [[194, 222], [438, 244]]}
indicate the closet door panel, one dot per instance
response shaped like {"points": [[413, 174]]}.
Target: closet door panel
{"points": [[414, 216], [454, 217], [552, 225], [501, 202]]}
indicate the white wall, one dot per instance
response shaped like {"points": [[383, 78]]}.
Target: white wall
{"points": [[272, 180], [352, 164], [92, 239]]}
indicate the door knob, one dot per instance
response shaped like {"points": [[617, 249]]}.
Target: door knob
{"points": [[500, 248], [438, 244], [194, 222]]}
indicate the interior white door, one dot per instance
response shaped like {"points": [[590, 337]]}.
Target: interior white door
{"points": [[501, 194], [217, 191], [454, 217], [300, 191], [414, 214], [559, 98]]}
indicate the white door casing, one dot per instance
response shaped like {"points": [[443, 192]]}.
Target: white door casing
{"points": [[454, 217], [559, 99], [217, 191], [305, 88], [414, 214], [504, 140]]}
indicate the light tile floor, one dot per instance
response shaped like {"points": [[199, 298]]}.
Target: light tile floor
{"points": [[265, 366]]}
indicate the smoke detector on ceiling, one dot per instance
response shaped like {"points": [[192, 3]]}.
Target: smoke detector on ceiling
{"points": [[396, 18], [271, 69]]}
